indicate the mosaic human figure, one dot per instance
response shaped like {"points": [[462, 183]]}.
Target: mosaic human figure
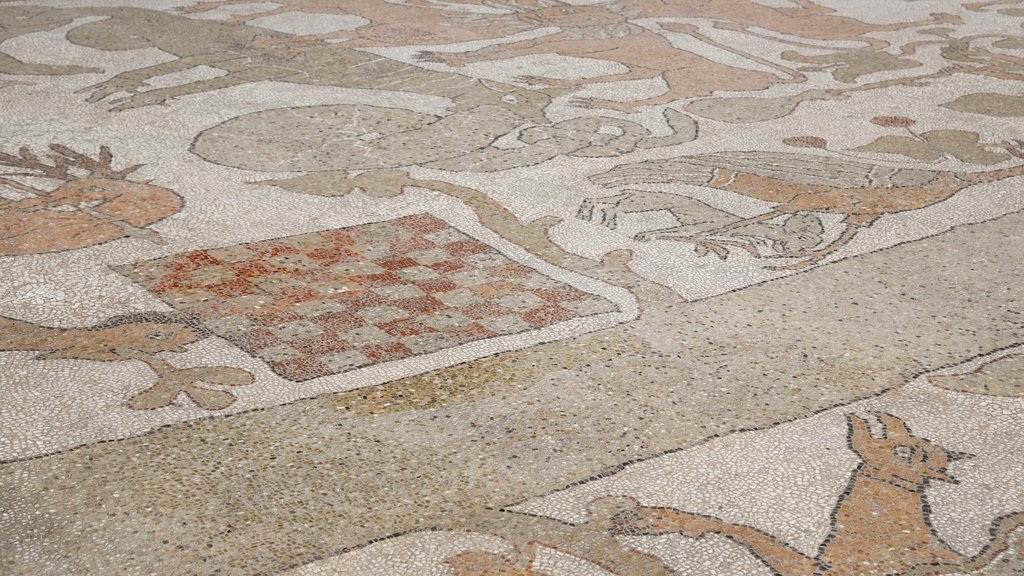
{"points": [[881, 521]]}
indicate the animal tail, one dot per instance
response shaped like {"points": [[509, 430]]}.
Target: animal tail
{"points": [[1003, 532]]}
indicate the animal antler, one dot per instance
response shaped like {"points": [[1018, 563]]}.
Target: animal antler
{"points": [[64, 161], [100, 168], [28, 160]]}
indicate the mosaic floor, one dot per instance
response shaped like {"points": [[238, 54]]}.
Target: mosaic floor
{"points": [[512, 287]]}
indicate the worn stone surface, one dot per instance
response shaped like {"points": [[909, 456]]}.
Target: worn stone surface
{"points": [[522, 288]]}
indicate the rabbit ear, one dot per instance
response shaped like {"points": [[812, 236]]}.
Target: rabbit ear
{"points": [[860, 435], [894, 426]]}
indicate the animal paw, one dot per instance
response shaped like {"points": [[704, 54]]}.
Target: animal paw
{"points": [[138, 101], [101, 91], [703, 246]]}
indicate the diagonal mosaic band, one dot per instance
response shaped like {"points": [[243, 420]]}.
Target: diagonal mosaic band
{"points": [[328, 302]]}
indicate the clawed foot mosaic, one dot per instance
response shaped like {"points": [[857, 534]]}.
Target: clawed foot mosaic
{"points": [[512, 287]]}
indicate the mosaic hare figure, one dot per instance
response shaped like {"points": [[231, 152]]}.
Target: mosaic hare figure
{"points": [[880, 525]]}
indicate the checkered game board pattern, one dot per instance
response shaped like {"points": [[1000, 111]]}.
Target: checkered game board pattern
{"points": [[327, 302]]}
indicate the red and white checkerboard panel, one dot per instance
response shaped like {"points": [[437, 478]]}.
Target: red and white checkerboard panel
{"points": [[327, 302]]}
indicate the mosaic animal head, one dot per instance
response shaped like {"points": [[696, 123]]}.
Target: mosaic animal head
{"points": [[899, 456], [528, 104]]}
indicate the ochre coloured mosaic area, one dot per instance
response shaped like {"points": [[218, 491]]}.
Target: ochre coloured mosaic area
{"points": [[328, 302], [511, 287]]}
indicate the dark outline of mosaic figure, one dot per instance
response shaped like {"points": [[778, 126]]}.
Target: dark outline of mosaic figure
{"points": [[426, 23], [593, 541], [885, 504], [805, 20], [136, 336], [993, 377], [35, 19], [481, 110], [94, 204], [609, 35], [250, 55], [859, 191], [402, 138], [397, 23]]}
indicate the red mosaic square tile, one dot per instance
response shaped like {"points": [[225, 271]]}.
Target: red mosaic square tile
{"points": [[470, 333], [339, 237], [339, 321], [419, 306], [250, 269], [437, 285], [382, 279], [296, 294], [402, 245], [547, 315], [464, 248], [326, 255], [300, 369], [307, 303], [396, 263], [405, 327], [192, 261], [257, 339], [389, 351], [560, 294], [172, 283], [231, 288], [274, 249], [421, 223], [323, 344], [447, 266]]}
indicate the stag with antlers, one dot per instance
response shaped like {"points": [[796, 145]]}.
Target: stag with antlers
{"points": [[93, 204]]}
